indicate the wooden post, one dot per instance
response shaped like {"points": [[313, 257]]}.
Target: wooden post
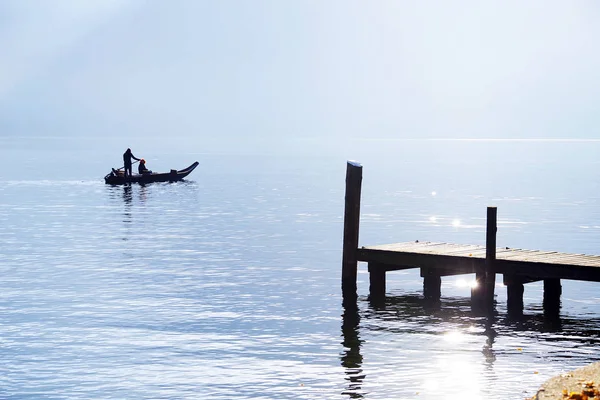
{"points": [[514, 294], [490, 257], [482, 295], [376, 283], [552, 292], [351, 225], [477, 290], [432, 285]]}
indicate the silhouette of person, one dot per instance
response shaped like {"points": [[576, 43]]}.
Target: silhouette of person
{"points": [[142, 167], [127, 156]]}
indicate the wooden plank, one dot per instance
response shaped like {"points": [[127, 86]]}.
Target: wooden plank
{"points": [[465, 264], [576, 260], [433, 248], [405, 245], [587, 258], [552, 256], [418, 248], [521, 254], [559, 259], [437, 248], [465, 251]]}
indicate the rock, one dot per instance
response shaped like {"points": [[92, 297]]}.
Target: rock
{"points": [[571, 385]]}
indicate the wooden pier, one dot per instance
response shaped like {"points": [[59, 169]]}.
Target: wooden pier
{"points": [[435, 260]]}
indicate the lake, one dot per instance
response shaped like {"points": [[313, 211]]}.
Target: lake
{"points": [[227, 285]]}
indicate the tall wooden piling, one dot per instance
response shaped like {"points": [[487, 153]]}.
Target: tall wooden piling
{"points": [[490, 257], [482, 295], [351, 227]]}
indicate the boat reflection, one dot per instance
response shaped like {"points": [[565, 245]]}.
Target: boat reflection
{"points": [[127, 194], [143, 192], [127, 199]]}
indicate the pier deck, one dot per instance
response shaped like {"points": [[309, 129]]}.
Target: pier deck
{"points": [[452, 259]]}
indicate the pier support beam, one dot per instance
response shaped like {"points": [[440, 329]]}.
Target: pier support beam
{"points": [[515, 289], [432, 285], [552, 292], [376, 283], [351, 225], [477, 290], [514, 294]]}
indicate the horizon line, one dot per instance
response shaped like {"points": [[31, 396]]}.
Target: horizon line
{"points": [[485, 139]]}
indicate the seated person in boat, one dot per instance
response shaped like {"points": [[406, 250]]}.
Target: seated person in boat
{"points": [[142, 167]]}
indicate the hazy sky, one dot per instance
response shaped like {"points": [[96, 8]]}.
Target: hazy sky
{"points": [[310, 68]]}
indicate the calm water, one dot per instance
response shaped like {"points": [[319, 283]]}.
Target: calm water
{"points": [[228, 285]]}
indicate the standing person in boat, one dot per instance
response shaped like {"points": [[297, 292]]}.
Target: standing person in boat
{"points": [[142, 167], [127, 156]]}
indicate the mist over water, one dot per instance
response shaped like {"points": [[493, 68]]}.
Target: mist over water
{"points": [[227, 285]]}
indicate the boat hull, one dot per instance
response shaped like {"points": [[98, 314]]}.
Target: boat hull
{"points": [[115, 178]]}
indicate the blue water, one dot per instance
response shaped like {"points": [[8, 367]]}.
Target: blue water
{"points": [[227, 285]]}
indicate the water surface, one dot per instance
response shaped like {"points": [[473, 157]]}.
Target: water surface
{"points": [[227, 285]]}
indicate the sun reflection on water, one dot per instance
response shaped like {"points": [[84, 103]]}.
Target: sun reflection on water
{"points": [[454, 337], [465, 283], [460, 374]]}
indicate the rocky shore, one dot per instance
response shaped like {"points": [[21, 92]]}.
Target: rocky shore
{"points": [[581, 384]]}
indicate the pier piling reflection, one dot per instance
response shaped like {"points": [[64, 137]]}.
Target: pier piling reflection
{"points": [[351, 358]]}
